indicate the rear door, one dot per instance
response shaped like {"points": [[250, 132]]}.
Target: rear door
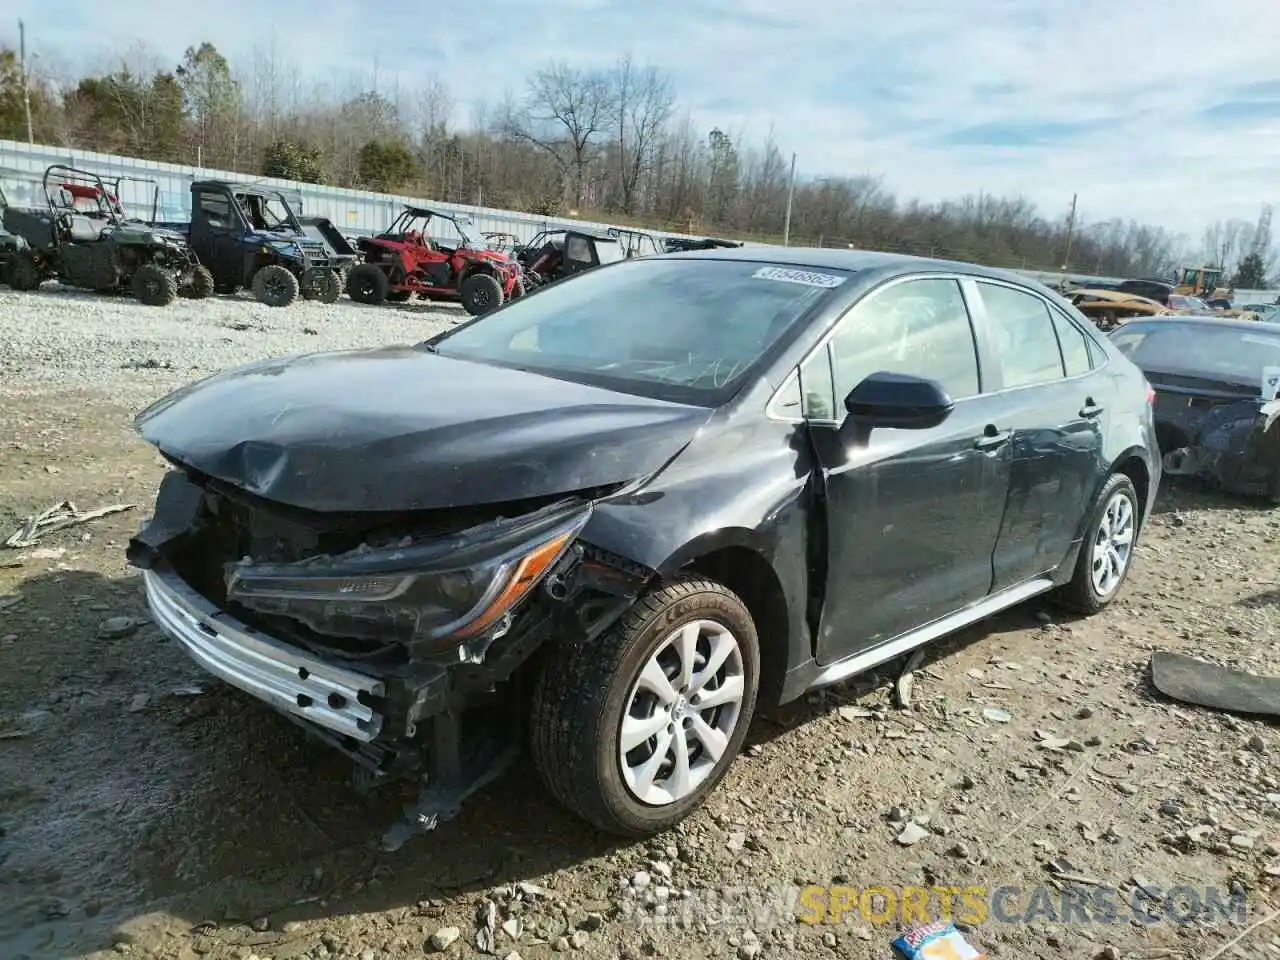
{"points": [[1055, 406], [913, 517]]}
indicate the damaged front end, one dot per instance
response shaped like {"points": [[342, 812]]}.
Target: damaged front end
{"points": [[1232, 443], [397, 638]]}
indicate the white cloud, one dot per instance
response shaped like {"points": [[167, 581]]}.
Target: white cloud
{"points": [[1115, 93]]}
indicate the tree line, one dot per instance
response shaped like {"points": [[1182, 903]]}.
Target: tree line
{"points": [[610, 144]]}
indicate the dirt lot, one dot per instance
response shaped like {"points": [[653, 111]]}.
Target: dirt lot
{"points": [[146, 811]]}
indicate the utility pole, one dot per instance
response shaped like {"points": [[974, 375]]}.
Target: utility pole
{"points": [[791, 191], [26, 83], [1071, 231]]}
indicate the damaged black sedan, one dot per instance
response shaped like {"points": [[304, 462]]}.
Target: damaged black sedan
{"points": [[1216, 384], [607, 522]]}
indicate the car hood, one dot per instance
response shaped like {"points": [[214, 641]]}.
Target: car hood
{"points": [[403, 429]]}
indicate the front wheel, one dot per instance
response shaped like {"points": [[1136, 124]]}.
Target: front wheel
{"points": [[1106, 553], [154, 286], [633, 730], [276, 286], [367, 283], [480, 293], [320, 283], [199, 285]]}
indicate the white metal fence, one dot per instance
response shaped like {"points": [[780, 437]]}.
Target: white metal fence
{"points": [[356, 212]]}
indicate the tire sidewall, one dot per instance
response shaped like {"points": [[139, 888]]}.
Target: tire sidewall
{"points": [[723, 608], [1116, 483]]}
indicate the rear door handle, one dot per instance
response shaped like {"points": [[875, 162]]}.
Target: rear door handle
{"points": [[993, 437], [1090, 409]]}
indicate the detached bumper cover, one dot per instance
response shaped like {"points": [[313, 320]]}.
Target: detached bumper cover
{"points": [[287, 678]]}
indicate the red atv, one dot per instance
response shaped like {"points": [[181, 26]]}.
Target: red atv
{"points": [[403, 260]]}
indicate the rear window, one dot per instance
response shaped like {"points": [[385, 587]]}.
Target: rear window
{"points": [[1221, 353]]}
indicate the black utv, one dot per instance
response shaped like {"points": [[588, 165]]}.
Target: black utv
{"points": [[250, 237], [82, 238]]}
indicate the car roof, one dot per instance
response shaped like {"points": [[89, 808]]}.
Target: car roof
{"points": [[852, 260], [1187, 320]]}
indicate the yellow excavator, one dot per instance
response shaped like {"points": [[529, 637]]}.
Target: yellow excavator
{"points": [[1203, 282]]}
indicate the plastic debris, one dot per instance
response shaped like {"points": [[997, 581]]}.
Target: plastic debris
{"points": [[936, 941]]}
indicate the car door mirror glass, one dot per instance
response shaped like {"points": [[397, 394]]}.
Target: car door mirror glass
{"points": [[898, 400]]}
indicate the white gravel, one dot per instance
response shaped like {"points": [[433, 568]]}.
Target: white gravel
{"points": [[60, 338]]}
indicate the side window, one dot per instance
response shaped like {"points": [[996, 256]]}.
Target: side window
{"points": [[1075, 346], [920, 327], [216, 209], [818, 390], [1023, 336]]}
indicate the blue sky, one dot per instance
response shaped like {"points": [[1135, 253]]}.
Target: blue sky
{"points": [[1163, 110]]}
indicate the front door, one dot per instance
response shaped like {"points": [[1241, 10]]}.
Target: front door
{"points": [[216, 231], [1056, 409], [913, 517]]}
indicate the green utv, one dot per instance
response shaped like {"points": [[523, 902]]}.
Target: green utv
{"points": [[84, 239], [10, 245]]}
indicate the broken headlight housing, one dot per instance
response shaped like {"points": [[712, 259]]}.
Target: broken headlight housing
{"points": [[426, 595]]}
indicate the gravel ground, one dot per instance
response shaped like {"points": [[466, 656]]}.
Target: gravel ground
{"points": [[71, 338], [147, 812]]}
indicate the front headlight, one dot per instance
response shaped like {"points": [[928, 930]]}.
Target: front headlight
{"points": [[410, 597]]}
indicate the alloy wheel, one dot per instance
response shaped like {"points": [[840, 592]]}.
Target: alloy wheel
{"points": [[681, 713], [1113, 544]]}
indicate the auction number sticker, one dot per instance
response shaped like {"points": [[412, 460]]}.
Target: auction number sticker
{"points": [[806, 277]]}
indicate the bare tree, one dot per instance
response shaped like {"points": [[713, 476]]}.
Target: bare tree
{"points": [[565, 112], [644, 99]]}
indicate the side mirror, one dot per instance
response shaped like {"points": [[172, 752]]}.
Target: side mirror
{"points": [[898, 400]]}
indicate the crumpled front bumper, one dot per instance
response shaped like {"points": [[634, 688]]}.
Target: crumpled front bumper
{"points": [[289, 679]]}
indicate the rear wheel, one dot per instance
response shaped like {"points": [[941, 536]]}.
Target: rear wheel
{"points": [[154, 286], [633, 730], [275, 286], [1107, 551], [366, 283], [480, 293]]}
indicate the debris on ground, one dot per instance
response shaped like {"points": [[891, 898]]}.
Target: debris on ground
{"points": [[1208, 685], [937, 939], [905, 686], [58, 517]]}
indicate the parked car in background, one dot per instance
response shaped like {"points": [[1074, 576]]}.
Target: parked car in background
{"points": [[1267, 312], [611, 519], [1110, 308], [1216, 383]]}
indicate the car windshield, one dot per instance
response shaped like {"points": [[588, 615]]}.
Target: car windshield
{"points": [[685, 330], [1213, 352]]}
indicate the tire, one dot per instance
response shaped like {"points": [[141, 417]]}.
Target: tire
{"points": [[275, 286], [399, 296], [367, 283], [154, 286], [333, 285], [200, 285], [24, 273], [517, 289], [480, 293], [320, 283], [1082, 593], [585, 689]]}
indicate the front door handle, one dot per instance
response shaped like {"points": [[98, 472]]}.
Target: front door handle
{"points": [[993, 437], [1090, 409]]}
